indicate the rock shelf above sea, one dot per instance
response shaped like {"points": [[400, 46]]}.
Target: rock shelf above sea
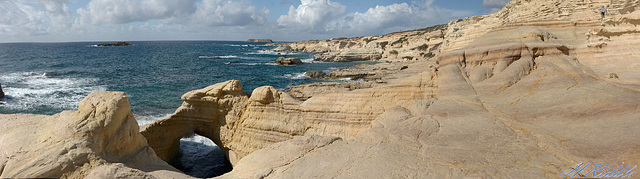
{"points": [[525, 92]]}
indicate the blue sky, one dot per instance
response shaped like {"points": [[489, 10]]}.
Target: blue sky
{"points": [[281, 20]]}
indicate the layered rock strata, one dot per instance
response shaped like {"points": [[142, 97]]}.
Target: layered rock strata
{"points": [[241, 124], [400, 46]]}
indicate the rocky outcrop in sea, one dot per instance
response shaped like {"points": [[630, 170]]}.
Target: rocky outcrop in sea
{"points": [[114, 44]]}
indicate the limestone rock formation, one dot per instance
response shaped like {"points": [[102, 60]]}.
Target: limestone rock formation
{"points": [[361, 54], [315, 74], [100, 140], [512, 100], [240, 124], [419, 44], [525, 92], [288, 61], [283, 49]]}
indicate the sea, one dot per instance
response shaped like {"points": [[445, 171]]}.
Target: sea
{"points": [[47, 78]]}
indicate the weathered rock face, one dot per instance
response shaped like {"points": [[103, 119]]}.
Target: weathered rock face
{"points": [[315, 74], [283, 49], [288, 61], [420, 44], [517, 100], [100, 140], [568, 13], [240, 124], [361, 54], [511, 101]]}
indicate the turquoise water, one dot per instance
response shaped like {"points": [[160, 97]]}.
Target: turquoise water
{"points": [[47, 78]]}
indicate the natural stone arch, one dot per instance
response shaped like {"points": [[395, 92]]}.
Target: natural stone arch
{"points": [[216, 113]]}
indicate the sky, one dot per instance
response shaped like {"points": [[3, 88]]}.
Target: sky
{"points": [[237, 20]]}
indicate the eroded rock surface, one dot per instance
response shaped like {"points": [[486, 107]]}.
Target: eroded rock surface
{"points": [[100, 140]]}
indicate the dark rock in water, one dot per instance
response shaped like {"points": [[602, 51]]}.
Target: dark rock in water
{"points": [[288, 61], [114, 44], [1, 92], [315, 74], [260, 40]]}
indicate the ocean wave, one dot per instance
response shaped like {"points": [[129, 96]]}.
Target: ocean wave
{"points": [[266, 52], [349, 80], [45, 90], [222, 57], [148, 119], [309, 60], [296, 76]]}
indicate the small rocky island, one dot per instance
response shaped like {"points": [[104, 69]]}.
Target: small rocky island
{"points": [[110, 44], [260, 40], [288, 61]]}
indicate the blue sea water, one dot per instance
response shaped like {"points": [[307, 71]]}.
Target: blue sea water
{"points": [[47, 78]]}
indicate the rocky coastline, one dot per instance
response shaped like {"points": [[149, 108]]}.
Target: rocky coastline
{"points": [[525, 92]]}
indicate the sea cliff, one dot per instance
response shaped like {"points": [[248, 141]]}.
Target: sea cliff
{"points": [[530, 91]]}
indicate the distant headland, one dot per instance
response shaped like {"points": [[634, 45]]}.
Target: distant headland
{"points": [[260, 40], [114, 44]]}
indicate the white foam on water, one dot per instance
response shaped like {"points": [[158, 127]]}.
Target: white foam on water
{"points": [[31, 89], [221, 57], [350, 80], [296, 76], [267, 52], [144, 120]]}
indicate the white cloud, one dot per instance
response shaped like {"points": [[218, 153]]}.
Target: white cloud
{"points": [[22, 18], [126, 11], [228, 13], [208, 12], [98, 20], [312, 15], [377, 20]]}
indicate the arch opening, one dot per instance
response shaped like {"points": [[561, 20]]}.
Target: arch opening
{"points": [[200, 157]]}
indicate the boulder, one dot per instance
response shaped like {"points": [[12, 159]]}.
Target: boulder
{"points": [[315, 74], [283, 48], [288, 61], [100, 140], [1, 92]]}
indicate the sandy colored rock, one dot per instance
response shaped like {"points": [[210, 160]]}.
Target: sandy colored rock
{"points": [[288, 61], [75, 144], [525, 92], [360, 54]]}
